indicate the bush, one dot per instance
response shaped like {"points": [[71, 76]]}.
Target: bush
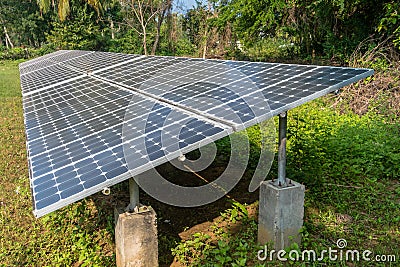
{"points": [[129, 42], [14, 53], [342, 147], [272, 49], [75, 35], [24, 52], [390, 23]]}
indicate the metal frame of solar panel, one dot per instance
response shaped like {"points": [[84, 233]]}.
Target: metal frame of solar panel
{"points": [[76, 103]]}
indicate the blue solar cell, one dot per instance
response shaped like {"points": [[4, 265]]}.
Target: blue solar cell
{"points": [[71, 191], [94, 181], [45, 193], [46, 202], [91, 175]]}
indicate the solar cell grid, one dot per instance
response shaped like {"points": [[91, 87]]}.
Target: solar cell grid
{"points": [[96, 61], [78, 103], [45, 63], [50, 60], [135, 73], [35, 61], [62, 57], [40, 79]]}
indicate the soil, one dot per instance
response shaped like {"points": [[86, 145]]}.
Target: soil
{"points": [[177, 223]]}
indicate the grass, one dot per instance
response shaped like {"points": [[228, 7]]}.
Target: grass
{"points": [[9, 79], [349, 164]]}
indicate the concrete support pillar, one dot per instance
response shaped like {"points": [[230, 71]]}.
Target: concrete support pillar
{"points": [[136, 238], [281, 213]]}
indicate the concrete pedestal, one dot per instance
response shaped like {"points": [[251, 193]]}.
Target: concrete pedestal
{"points": [[136, 238], [281, 214]]}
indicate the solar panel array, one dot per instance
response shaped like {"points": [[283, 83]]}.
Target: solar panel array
{"points": [[76, 104]]}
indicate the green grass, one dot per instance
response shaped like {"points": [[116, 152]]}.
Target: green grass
{"points": [[349, 164], [9, 79]]}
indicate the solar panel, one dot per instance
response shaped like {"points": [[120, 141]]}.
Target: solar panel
{"points": [[76, 104]]}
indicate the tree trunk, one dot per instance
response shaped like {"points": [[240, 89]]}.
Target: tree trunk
{"points": [[8, 40], [112, 29], [205, 43], [156, 40], [145, 45], [145, 41], [158, 26], [206, 31]]}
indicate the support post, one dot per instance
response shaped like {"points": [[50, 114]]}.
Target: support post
{"points": [[136, 233], [282, 150], [133, 196], [281, 206]]}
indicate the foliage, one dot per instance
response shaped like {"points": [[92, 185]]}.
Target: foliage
{"points": [[182, 47], [127, 43], [261, 30], [145, 18], [329, 28], [23, 23], [14, 53], [253, 20], [365, 146], [174, 38], [273, 49], [24, 53], [63, 7], [81, 32], [195, 24], [390, 22], [379, 93]]}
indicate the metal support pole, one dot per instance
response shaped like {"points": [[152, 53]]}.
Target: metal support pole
{"points": [[133, 196], [282, 149]]}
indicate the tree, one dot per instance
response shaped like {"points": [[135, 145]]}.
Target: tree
{"points": [[207, 31], [198, 26], [63, 7], [332, 28], [81, 31], [159, 19], [252, 19], [141, 15], [72, 17], [20, 23]]}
